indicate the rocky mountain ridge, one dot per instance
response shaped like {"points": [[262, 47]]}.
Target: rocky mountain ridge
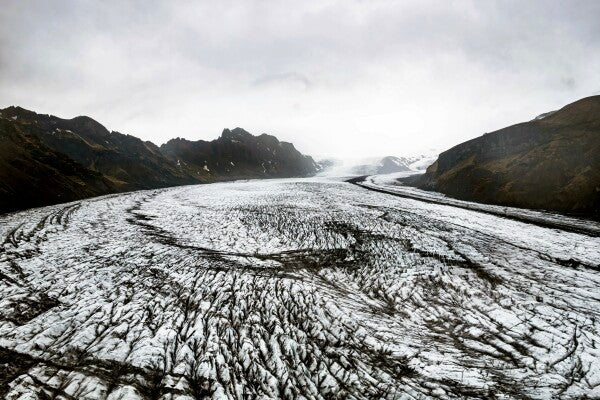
{"points": [[46, 159], [550, 163], [228, 156]]}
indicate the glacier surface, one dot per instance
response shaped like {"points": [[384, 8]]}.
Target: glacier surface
{"points": [[294, 289]]}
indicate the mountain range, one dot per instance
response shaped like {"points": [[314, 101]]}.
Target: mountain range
{"points": [[551, 162], [45, 159], [374, 165]]}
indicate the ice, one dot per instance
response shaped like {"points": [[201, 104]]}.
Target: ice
{"points": [[295, 288]]}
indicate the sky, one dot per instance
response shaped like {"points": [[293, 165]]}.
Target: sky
{"points": [[336, 78]]}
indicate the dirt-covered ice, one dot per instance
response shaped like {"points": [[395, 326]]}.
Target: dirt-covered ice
{"points": [[294, 289]]}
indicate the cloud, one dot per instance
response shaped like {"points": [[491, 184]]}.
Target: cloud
{"points": [[373, 77], [284, 78]]}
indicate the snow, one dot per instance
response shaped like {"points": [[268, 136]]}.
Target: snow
{"points": [[423, 162], [294, 288], [370, 165], [390, 183], [544, 115]]}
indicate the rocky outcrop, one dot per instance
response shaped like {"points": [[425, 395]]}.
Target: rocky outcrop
{"points": [[551, 163], [238, 154], [32, 174], [46, 159], [128, 162]]}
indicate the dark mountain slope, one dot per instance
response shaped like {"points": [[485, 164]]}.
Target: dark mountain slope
{"points": [[46, 159], [238, 155], [32, 174], [127, 161], [551, 163]]}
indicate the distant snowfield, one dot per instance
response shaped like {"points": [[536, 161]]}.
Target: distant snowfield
{"points": [[369, 165], [305, 288]]}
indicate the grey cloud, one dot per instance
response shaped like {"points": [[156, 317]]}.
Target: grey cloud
{"points": [[293, 77], [568, 83], [443, 71]]}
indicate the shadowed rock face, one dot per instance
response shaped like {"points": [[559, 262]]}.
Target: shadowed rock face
{"points": [[32, 174], [128, 162], [238, 154], [47, 160], [552, 163]]}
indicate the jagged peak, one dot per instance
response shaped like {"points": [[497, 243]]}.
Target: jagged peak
{"points": [[235, 133], [75, 123], [21, 112]]}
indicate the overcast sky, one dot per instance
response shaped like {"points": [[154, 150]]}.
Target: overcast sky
{"points": [[336, 78]]}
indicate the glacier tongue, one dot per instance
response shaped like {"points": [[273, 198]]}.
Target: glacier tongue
{"points": [[300, 288]]}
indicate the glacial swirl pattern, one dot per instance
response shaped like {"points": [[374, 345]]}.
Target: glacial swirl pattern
{"points": [[293, 289]]}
